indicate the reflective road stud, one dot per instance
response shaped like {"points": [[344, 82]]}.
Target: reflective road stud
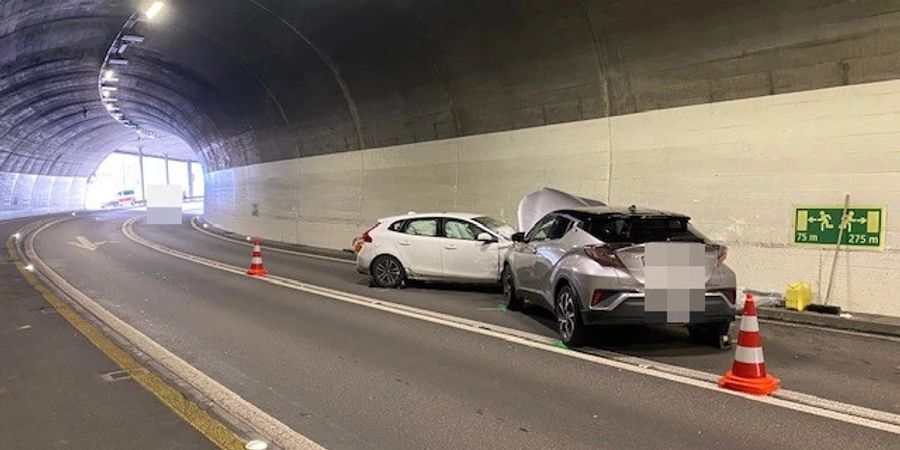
{"points": [[256, 262], [748, 373]]}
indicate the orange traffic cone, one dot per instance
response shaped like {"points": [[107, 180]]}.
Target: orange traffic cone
{"points": [[256, 264], [748, 373]]}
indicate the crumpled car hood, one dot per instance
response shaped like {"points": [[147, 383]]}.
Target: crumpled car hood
{"points": [[537, 204]]}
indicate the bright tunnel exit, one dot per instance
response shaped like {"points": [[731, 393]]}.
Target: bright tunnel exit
{"points": [[118, 181]]}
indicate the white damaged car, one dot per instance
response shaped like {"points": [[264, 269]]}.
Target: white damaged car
{"points": [[454, 247]]}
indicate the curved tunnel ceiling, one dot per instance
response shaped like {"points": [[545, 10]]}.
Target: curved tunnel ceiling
{"points": [[249, 81]]}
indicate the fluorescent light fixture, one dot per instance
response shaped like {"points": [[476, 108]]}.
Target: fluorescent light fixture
{"points": [[107, 100], [109, 88], [153, 10], [30, 267], [17, 236], [118, 61], [132, 38], [106, 93], [109, 74]]}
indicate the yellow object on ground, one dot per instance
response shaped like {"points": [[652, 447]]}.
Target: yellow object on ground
{"points": [[797, 296]]}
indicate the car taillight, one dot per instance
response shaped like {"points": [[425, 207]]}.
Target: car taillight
{"points": [[603, 254], [365, 236]]}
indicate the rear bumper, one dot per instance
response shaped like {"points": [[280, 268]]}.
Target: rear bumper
{"points": [[627, 308], [364, 259]]}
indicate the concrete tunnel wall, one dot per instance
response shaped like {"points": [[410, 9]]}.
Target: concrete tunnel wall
{"points": [[23, 195], [736, 167], [339, 96]]}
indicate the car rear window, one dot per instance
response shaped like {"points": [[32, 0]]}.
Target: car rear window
{"points": [[638, 230]]}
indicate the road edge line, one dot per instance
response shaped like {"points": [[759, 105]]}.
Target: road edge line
{"points": [[847, 413], [271, 428], [208, 426]]}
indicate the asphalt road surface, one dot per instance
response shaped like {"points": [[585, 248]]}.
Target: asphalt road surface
{"points": [[52, 390], [348, 376]]}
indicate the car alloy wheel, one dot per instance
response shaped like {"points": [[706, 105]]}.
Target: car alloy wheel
{"points": [[565, 314], [387, 272], [572, 330]]}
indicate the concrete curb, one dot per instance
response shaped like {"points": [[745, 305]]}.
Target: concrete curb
{"points": [[874, 325], [330, 253]]}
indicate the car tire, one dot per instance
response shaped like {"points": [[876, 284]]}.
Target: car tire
{"points": [[572, 330], [513, 301], [387, 272]]}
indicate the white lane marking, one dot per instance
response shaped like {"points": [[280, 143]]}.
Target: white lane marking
{"points": [[274, 249], [796, 401], [262, 423], [345, 261], [86, 244]]}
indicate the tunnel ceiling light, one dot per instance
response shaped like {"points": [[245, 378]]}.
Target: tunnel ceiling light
{"points": [[109, 88], [154, 10], [109, 74], [106, 93], [132, 39], [109, 100], [118, 61]]}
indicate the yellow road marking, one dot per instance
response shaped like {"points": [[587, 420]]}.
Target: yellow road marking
{"points": [[208, 426]]}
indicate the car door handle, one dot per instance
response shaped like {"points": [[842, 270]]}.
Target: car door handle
{"points": [[403, 243], [450, 247]]}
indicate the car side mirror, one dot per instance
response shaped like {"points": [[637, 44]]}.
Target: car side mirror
{"points": [[485, 238], [518, 237]]}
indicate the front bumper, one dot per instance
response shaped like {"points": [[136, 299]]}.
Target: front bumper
{"points": [[627, 308]]}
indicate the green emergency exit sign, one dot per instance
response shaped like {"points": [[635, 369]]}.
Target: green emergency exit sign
{"points": [[862, 227]]}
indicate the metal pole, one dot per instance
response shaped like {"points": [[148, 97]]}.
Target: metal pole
{"points": [[167, 170], [190, 180], [837, 248], [141, 164]]}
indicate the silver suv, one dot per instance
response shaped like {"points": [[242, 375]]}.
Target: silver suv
{"points": [[605, 265]]}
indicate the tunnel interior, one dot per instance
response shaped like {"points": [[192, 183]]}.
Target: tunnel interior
{"points": [[246, 82], [313, 119]]}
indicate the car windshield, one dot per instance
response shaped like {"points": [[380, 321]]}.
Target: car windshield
{"points": [[638, 230], [496, 225]]}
